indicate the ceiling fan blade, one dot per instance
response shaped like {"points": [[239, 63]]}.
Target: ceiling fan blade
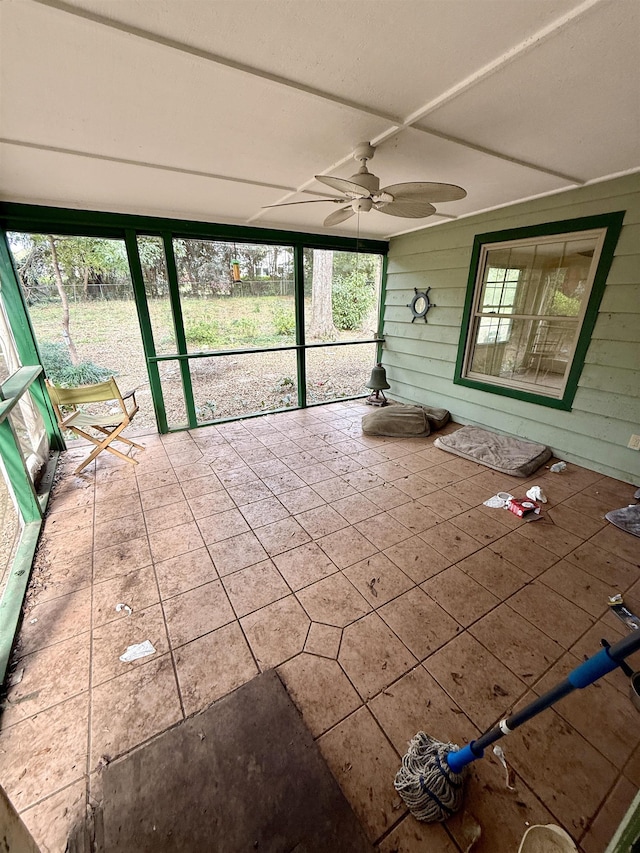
{"points": [[425, 191], [306, 201], [408, 208], [343, 185], [339, 216]]}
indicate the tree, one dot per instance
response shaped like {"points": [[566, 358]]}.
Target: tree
{"points": [[66, 334], [321, 325]]}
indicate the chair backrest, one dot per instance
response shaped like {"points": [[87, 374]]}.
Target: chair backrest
{"points": [[99, 392]]}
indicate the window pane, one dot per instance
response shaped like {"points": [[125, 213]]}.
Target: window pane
{"points": [[336, 372], [233, 386], [341, 295], [525, 352], [235, 296], [156, 287]]}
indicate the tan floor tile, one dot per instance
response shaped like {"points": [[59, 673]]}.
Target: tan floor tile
{"points": [[323, 640], [460, 595], [422, 625], [201, 486], [503, 815], [412, 836], [68, 521], [357, 749], [603, 716], [617, 492], [54, 621], [132, 708], [268, 467], [517, 643], [277, 632], [594, 504], [252, 588], [44, 753], [196, 612], [471, 492], [372, 656], [378, 579], [562, 773], [387, 496], [341, 465], [279, 484], [320, 689], [192, 470], [246, 493], [578, 586], [604, 565], [575, 522], [346, 547], [304, 565], [70, 498], [388, 471], [165, 517], [185, 572], [236, 553], [415, 485], [355, 508], [367, 458], [619, 543], [212, 666], [444, 504], [177, 540], [122, 508], [54, 822], [417, 559], [495, 573], [212, 502], [553, 538], [187, 453], [321, 521], [163, 496], [442, 475], [632, 768], [155, 479], [559, 618], [119, 559], [531, 558], [62, 578], [333, 601], [363, 480], [57, 548], [450, 541], [300, 500], [503, 516], [116, 490], [222, 525], [136, 589], [481, 527], [414, 516], [112, 640], [50, 675], [609, 818], [117, 530], [478, 682], [334, 489], [415, 703], [383, 530], [281, 536], [264, 512]]}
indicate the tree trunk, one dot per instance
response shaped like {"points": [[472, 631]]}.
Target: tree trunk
{"points": [[321, 325], [85, 284], [66, 336]]}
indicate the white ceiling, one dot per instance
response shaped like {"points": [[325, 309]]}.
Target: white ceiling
{"points": [[210, 109]]}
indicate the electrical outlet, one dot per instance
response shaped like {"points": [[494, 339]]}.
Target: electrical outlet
{"points": [[634, 442]]}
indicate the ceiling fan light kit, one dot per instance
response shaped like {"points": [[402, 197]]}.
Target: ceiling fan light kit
{"points": [[362, 193]]}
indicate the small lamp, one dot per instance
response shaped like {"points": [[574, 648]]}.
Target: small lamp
{"points": [[378, 383]]}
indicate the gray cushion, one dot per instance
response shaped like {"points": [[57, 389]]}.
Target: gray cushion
{"points": [[397, 420], [503, 453]]}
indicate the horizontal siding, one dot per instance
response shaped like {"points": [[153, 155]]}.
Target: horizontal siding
{"points": [[420, 357]]}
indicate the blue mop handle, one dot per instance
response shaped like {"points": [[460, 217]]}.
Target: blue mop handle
{"points": [[582, 676]]}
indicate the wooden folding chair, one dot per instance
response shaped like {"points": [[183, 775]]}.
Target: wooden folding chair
{"points": [[67, 403]]}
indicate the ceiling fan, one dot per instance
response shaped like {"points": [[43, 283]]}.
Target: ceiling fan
{"points": [[362, 193]]}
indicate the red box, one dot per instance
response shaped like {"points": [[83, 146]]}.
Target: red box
{"points": [[522, 506]]}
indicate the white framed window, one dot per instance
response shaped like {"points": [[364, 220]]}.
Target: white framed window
{"points": [[531, 306]]}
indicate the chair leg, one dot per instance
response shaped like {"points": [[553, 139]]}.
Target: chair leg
{"points": [[121, 438], [112, 435]]}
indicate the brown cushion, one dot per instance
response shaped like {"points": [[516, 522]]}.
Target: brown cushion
{"points": [[397, 420]]}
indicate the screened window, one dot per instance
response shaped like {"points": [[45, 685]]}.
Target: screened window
{"points": [[526, 310]]}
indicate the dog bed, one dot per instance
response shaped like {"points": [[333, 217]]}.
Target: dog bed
{"points": [[503, 453], [400, 421]]}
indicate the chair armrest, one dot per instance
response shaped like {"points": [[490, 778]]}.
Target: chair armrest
{"points": [[130, 394]]}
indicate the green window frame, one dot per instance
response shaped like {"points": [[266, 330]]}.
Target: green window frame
{"points": [[489, 322]]}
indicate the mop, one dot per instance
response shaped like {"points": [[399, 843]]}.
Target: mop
{"points": [[431, 778]]}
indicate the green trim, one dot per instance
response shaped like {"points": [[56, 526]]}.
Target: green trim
{"points": [[146, 330], [612, 222], [627, 836], [25, 340], [255, 350], [20, 572], [381, 308], [301, 359], [178, 328], [19, 479], [37, 218]]}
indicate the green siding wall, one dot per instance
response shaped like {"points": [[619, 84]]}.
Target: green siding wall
{"points": [[420, 357]]}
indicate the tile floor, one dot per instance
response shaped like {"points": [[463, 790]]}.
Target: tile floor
{"points": [[370, 574]]}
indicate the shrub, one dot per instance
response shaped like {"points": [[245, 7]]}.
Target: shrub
{"points": [[352, 298], [284, 320], [203, 333], [60, 370]]}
